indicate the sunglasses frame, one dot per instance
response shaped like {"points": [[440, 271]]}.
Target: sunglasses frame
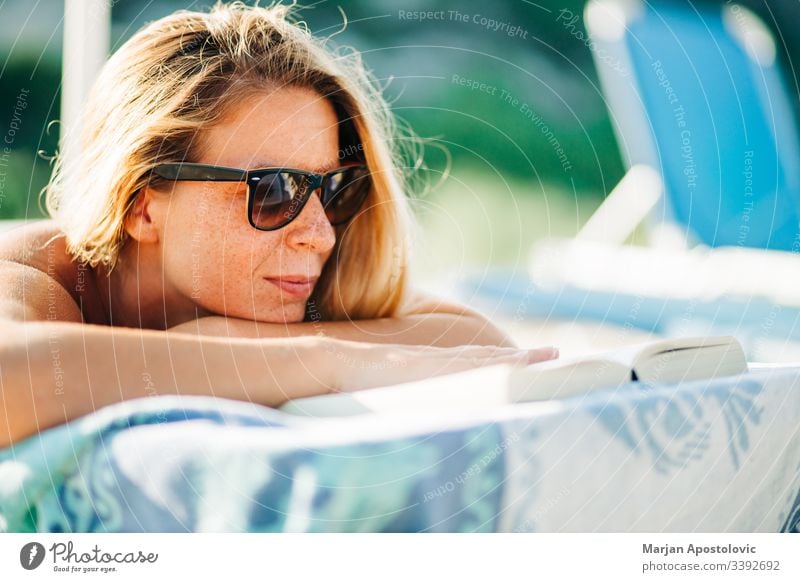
{"points": [[191, 172]]}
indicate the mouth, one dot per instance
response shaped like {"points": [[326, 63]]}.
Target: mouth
{"points": [[294, 285]]}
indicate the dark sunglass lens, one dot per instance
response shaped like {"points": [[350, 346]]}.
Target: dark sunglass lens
{"points": [[345, 193], [277, 199]]}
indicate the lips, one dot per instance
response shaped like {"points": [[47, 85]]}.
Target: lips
{"points": [[296, 286]]}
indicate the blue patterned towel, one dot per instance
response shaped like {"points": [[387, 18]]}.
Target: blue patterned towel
{"points": [[720, 455]]}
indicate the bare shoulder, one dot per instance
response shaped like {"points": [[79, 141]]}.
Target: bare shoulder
{"points": [[35, 272], [28, 294], [421, 302], [31, 242]]}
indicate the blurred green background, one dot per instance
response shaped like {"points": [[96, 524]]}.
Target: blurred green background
{"points": [[495, 179]]}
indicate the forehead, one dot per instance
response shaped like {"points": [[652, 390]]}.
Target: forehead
{"points": [[288, 127]]}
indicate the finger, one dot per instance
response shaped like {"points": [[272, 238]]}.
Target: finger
{"points": [[542, 355], [491, 356]]}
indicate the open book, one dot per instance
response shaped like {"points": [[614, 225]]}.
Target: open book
{"points": [[667, 361]]}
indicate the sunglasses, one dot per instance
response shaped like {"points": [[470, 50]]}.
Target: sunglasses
{"points": [[275, 196]]}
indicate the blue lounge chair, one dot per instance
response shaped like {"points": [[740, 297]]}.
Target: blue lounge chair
{"points": [[697, 94]]}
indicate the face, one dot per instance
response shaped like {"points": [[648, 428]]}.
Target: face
{"points": [[211, 254]]}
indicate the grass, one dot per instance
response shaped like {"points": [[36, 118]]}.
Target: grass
{"points": [[475, 219]]}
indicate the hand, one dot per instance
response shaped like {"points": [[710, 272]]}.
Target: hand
{"points": [[358, 365]]}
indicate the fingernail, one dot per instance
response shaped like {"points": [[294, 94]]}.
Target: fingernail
{"points": [[551, 352]]}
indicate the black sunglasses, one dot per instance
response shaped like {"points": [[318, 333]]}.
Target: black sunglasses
{"points": [[275, 196]]}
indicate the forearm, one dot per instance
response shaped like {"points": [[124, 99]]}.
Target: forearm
{"points": [[431, 329], [53, 372]]}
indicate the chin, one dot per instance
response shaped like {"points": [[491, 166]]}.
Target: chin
{"points": [[286, 314]]}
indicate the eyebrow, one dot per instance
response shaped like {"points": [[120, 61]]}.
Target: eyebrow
{"points": [[322, 170]]}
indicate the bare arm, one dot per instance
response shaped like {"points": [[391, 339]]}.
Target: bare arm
{"points": [[428, 321], [53, 372], [56, 370]]}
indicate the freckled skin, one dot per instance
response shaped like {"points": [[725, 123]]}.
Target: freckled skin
{"points": [[210, 253]]}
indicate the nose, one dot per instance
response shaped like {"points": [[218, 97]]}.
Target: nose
{"points": [[311, 229]]}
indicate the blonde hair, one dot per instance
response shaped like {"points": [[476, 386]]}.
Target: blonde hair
{"points": [[174, 78]]}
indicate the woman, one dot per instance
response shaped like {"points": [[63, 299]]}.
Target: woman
{"points": [[234, 225]]}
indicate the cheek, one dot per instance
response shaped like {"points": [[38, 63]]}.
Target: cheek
{"points": [[201, 227], [215, 258]]}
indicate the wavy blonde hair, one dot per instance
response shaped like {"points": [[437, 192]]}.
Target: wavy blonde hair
{"points": [[174, 78]]}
